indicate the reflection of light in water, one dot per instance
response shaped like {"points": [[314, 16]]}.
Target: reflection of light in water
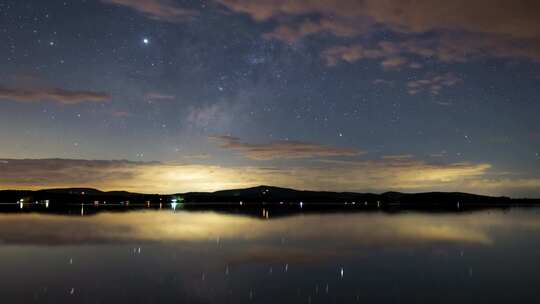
{"points": [[47, 204], [173, 205], [144, 226], [341, 272], [301, 204]]}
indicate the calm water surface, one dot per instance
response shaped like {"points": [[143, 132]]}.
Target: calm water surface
{"points": [[205, 257]]}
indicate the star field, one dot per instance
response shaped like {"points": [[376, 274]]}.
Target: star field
{"points": [[301, 94]]}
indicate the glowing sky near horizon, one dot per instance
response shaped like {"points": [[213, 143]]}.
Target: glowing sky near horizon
{"points": [[172, 96]]}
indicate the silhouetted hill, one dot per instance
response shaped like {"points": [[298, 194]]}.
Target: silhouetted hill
{"points": [[270, 194], [85, 191], [264, 195], [73, 191], [75, 196]]}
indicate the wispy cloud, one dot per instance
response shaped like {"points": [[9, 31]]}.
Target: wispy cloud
{"points": [[432, 84], [445, 48], [59, 95], [397, 173], [497, 28], [352, 53], [121, 113], [392, 56], [158, 96], [292, 34], [514, 18], [145, 177], [281, 149], [398, 157], [161, 10]]}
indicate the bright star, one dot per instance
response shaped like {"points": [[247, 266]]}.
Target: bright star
{"points": [[146, 41]]}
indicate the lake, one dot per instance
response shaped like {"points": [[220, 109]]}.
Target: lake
{"points": [[166, 256]]}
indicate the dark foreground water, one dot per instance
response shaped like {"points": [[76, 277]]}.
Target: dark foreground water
{"points": [[204, 257]]}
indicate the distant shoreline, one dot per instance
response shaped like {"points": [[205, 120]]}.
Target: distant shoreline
{"points": [[255, 196]]}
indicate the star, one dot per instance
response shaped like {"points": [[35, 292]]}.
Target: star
{"points": [[146, 41]]}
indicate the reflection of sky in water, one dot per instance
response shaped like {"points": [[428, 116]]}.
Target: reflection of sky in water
{"points": [[162, 257]]}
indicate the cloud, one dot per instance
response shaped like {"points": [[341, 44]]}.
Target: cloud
{"points": [[398, 157], [393, 63], [281, 149], [400, 173], [350, 53], [446, 49], [391, 55], [432, 84], [161, 10], [396, 173], [61, 171], [59, 95], [158, 96], [121, 113], [498, 27], [513, 18], [293, 34], [148, 177]]}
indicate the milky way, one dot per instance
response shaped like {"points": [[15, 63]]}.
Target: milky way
{"points": [[337, 95]]}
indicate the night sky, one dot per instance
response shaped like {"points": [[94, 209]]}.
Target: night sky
{"points": [[346, 95]]}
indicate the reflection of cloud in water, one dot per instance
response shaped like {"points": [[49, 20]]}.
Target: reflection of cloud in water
{"points": [[311, 230]]}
